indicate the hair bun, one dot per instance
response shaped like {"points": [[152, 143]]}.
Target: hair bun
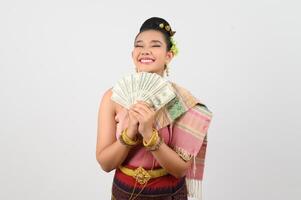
{"points": [[157, 23]]}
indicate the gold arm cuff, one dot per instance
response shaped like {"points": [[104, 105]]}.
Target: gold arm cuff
{"points": [[183, 154]]}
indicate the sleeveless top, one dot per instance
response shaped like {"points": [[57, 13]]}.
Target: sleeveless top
{"points": [[183, 125], [138, 155]]}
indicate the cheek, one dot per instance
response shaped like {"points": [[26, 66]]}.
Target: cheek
{"points": [[135, 54], [160, 55]]}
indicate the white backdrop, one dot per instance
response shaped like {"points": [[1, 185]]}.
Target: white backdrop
{"points": [[241, 58]]}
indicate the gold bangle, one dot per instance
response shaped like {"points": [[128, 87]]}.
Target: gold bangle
{"points": [[153, 140], [156, 146], [124, 139]]}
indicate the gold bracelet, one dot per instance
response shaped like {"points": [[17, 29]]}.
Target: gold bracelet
{"points": [[156, 146], [123, 142], [153, 140], [124, 139]]}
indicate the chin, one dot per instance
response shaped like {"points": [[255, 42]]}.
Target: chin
{"points": [[144, 69], [149, 68]]}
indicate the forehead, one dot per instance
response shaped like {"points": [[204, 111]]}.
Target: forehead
{"points": [[150, 35]]}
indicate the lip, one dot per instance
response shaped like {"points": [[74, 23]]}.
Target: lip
{"points": [[146, 60]]}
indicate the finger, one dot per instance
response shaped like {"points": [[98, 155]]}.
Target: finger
{"points": [[136, 114], [143, 110], [139, 117], [145, 117], [145, 106], [132, 112], [149, 106], [149, 112], [133, 115]]}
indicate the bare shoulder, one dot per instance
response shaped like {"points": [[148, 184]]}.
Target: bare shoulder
{"points": [[106, 103], [107, 95]]}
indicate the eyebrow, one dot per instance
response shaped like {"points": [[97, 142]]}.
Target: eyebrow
{"points": [[153, 41]]}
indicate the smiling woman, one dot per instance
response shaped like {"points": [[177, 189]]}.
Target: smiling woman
{"points": [[151, 52], [153, 46], [156, 154]]}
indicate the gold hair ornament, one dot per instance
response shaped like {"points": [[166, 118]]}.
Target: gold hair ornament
{"points": [[167, 28], [174, 49]]}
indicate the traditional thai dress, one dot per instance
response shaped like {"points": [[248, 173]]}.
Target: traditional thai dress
{"points": [[183, 125]]}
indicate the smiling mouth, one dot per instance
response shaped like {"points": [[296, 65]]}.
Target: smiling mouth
{"points": [[146, 61]]}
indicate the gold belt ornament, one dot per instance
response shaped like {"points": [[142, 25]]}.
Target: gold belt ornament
{"points": [[141, 175]]}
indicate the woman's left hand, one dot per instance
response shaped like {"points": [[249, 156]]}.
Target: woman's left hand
{"points": [[146, 117]]}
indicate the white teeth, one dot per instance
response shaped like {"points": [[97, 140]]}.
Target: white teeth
{"points": [[146, 61]]}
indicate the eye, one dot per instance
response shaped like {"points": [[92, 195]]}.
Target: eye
{"points": [[138, 45], [156, 46]]}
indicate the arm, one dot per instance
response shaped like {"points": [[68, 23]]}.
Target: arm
{"points": [[110, 153], [166, 156], [171, 161]]}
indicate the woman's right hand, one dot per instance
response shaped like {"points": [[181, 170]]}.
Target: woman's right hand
{"points": [[133, 124]]}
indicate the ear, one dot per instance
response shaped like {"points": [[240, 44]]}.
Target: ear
{"points": [[169, 56], [132, 54]]}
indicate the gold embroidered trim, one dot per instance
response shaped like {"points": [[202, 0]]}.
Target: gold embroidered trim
{"points": [[183, 154]]}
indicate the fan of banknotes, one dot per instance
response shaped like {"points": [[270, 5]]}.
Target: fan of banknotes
{"points": [[143, 86]]}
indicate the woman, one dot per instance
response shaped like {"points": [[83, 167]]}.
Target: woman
{"points": [[156, 154]]}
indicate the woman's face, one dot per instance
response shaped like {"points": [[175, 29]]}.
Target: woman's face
{"points": [[150, 52]]}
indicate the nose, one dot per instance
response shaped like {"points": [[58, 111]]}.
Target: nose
{"points": [[145, 51]]}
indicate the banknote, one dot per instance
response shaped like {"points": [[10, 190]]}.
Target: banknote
{"points": [[143, 86], [162, 97]]}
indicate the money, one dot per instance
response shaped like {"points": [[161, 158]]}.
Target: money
{"points": [[162, 97], [143, 86]]}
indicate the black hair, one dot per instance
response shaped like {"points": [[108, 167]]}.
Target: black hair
{"points": [[153, 23]]}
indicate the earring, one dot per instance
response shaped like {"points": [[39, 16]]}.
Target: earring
{"points": [[166, 70]]}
